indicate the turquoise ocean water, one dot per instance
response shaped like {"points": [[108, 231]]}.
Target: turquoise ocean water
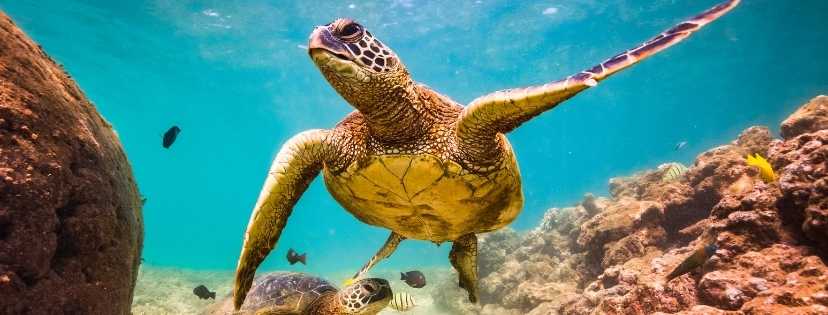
{"points": [[234, 77]]}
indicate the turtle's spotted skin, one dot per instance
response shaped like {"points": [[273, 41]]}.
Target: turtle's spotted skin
{"points": [[410, 159], [289, 293]]}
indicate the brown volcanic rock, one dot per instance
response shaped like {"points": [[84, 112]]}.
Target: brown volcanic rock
{"points": [[755, 139], [702, 310], [638, 244], [760, 273], [70, 217], [613, 229], [811, 117], [804, 182], [784, 280], [717, 173]]}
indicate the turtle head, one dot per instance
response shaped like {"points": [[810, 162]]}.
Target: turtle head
{"points": [[365, 297], [360, 67]]}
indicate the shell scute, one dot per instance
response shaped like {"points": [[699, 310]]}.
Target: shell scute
{"points": [[423, 172], [433, 199]]}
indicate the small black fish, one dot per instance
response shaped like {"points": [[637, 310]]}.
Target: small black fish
{"points": [[693, 261], [202, 293], [293, 257], [414, 278], [169, 136]]}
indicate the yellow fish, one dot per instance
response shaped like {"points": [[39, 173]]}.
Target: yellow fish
{"points": [[765, 169]]}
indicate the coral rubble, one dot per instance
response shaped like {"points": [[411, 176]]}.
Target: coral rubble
{"points": [[611, 255], [70, 217]]}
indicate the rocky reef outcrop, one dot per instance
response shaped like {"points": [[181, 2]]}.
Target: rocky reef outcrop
{"points": [[70, 215], [612, 255]]}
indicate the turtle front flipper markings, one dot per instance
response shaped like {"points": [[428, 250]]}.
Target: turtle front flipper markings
{"points": [[295, 166], [503, 111]]}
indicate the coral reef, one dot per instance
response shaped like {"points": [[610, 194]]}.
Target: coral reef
{"points": [[811, 117], [611, 255], [70, 217]]}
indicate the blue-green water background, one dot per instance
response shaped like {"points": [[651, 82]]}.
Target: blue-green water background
{"points": [[232, 75]]}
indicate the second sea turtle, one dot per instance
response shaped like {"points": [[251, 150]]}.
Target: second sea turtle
{"points": [[293, 293]]}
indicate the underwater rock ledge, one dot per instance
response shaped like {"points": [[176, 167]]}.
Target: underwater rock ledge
{"points": [[611, 255], [70, 216]]}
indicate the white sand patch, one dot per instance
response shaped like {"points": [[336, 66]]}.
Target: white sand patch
{"points": [[164, 290]]}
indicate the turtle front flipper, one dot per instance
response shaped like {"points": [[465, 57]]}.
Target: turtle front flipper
{"points": [[503, 111], [384, 252], [293, 169], [463, 257]]}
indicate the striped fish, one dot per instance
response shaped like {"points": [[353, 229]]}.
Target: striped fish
{"points": [[402, 302], [673, 172]]}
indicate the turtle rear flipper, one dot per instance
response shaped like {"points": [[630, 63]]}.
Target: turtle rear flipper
{"points": [[463, 257], [503, 111]]}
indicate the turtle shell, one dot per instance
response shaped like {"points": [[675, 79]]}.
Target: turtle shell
{"points": [[425, 197], [283, 293]]}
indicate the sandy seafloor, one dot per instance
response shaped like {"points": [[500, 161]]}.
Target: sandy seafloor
{"points": [[168, 290]]}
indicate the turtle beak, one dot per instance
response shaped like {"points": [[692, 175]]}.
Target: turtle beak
{"points": [[321, 40]]}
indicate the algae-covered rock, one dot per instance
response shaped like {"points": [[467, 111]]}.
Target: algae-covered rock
{"points": [[70, 215], [811, 117], [804, 183]]}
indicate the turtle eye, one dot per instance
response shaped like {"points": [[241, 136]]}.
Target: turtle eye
{"points": [[350, 32], [368, 288]]}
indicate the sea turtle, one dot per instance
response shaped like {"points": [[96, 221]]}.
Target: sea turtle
{"points": [[287, 293], [410, 159]]}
